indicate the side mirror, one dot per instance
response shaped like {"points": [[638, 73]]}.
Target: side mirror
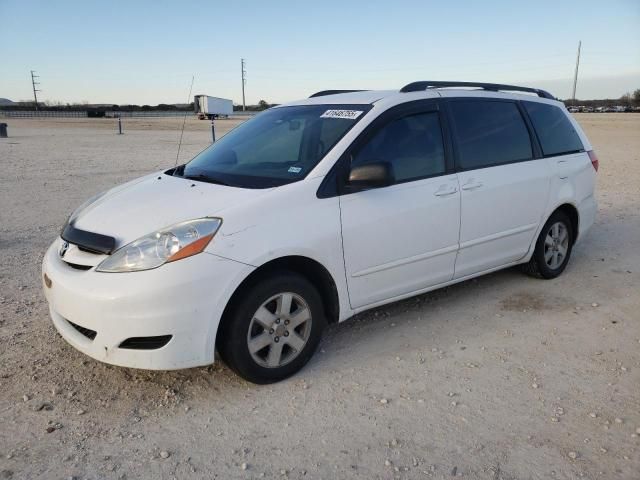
{"points": [[371, 175]]}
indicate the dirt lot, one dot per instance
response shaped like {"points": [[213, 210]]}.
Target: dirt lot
{"points": [[503, 377]]}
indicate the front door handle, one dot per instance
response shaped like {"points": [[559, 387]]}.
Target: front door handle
{"points": [[471, 185], [444, 190]]}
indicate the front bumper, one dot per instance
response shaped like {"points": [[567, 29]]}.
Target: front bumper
{"points": [[184, 299]]}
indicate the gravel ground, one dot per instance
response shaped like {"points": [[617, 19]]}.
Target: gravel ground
{"points": [[502, 377]]}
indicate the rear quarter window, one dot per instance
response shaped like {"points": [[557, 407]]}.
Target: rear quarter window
{"points": [[555, 131]]}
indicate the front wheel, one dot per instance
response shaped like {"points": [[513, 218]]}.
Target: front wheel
{"points": [[274, 329], [553, 248]]}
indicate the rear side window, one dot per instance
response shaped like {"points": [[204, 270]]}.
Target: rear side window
{"points": [[555, 131], [412, 145], [489, 133]]}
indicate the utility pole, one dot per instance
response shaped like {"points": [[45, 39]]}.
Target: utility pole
{"points": [[575, 76], [244, 81], [33, 84]]}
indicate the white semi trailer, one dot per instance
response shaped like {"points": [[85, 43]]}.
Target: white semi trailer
{"points": [[212, 107]]}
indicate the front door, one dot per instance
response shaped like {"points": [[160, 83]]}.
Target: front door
{"points": [[404, 237]]}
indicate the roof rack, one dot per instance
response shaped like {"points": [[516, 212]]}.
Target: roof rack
{"points": [[333, 92], [493, 87]]}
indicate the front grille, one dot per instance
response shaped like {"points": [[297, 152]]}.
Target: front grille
{"points": [[84, 249], [77, 266], [87, 332], [145, 343], [88, 241]]}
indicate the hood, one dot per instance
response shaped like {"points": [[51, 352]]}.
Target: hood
{"points": [[147, 204]]}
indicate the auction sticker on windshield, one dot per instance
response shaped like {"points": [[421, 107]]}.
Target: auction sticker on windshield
{"points": [[347, 114]]}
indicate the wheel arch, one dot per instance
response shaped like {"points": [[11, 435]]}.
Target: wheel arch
{"points": [[570, 211], [311, 269]]}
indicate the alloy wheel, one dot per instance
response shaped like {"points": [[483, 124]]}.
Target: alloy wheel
{"points": [[556, 245], [279, 330]]}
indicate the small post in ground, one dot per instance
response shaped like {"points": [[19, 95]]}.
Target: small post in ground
{"points": [[119, 125], [213, 131]]}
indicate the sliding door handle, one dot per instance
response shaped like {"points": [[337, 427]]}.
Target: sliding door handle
{"points": [[471, 185]]}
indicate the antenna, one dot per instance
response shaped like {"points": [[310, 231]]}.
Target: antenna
{"points": [[184, 120], [33, 84], [575, 76]]}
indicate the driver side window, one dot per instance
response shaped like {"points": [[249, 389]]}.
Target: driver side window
{"points": [[412, 145]]}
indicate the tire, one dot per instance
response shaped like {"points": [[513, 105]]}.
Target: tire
{"points": [[545, 263], [260, 320]]}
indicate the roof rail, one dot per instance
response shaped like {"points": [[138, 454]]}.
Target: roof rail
{"points": [[493, 87], [333, 92]]}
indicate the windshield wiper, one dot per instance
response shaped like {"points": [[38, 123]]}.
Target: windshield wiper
{"points": [[203, 177]]}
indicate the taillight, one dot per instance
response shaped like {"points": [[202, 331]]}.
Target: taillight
{"points": [[594, 159]]}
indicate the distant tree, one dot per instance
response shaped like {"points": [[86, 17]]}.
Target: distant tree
{"points": [[263, 105], [636, 97], [625, 99]]}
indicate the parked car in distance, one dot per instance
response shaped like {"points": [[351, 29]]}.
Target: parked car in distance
{"points": [[314, 211], [574, 109], [587, 110]]}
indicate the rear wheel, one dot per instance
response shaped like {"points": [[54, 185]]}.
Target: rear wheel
{"points": [[553, 248], [274, 330]]}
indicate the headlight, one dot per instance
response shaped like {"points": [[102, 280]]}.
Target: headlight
{"points": [[167, 245]]}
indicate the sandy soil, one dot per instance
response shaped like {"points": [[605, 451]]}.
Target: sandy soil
{"points": [[503, 377]]}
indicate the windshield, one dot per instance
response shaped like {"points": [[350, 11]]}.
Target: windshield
{"points": [[278, 146]]}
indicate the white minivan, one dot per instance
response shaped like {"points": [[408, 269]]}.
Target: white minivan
{"points": [[314, 211]]}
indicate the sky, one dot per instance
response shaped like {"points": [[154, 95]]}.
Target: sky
{"points": [[146, 52]]}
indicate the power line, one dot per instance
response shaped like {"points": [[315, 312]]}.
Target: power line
{"points": [[575, 76], [244, 81], [33, 84]]}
